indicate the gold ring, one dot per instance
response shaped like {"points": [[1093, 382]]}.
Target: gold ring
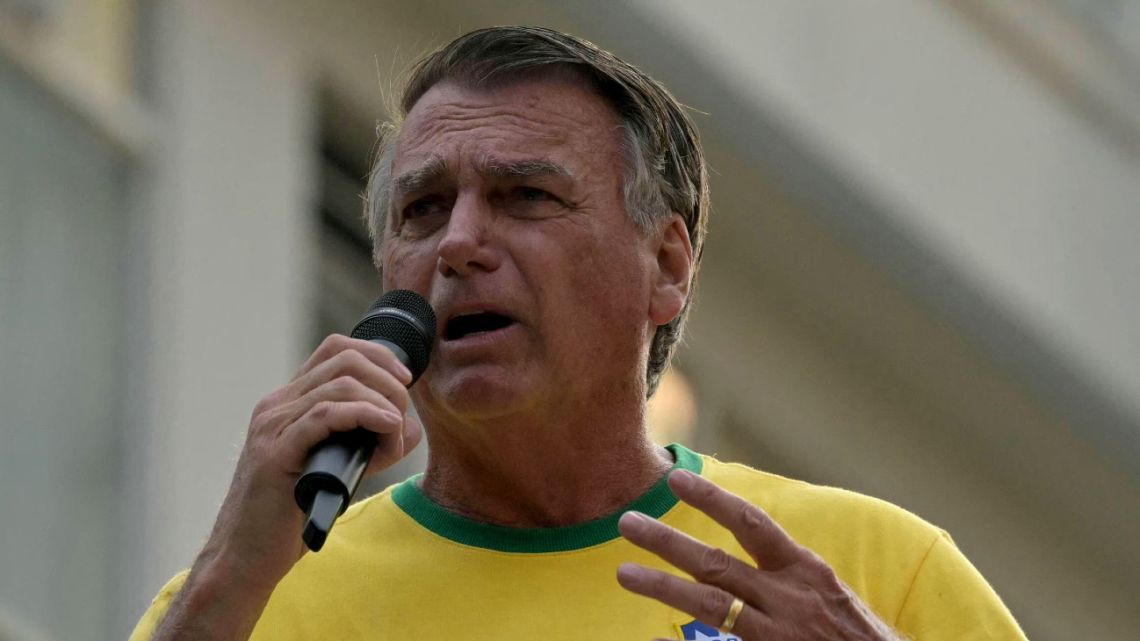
{"points": [[733, 612]]}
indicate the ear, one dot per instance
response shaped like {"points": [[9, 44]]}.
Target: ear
{"points": [[674, 262]]}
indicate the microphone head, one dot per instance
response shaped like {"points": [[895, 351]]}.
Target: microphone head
{"points": [[405, 319]]}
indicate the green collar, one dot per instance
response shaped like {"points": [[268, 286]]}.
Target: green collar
{"points": [[656, 502]]}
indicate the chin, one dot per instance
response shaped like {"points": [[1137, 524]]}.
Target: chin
{"points": [[480, 394]]}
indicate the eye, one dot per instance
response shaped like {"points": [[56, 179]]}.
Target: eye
{"points": [[422, 207], [533, 194]]}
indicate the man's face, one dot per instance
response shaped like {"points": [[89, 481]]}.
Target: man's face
{"points": [[508, 215]]}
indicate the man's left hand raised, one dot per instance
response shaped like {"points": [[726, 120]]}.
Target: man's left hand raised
{"points": [[794, 594]]}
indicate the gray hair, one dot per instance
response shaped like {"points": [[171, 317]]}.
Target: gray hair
{"points": [[665, 168]]}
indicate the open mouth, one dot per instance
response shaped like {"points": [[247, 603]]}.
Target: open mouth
{"points": [[476, 323]]}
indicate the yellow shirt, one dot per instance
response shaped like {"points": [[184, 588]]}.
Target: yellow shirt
{"points": [[398, 566]]}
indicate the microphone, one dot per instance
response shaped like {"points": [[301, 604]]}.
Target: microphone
{"points": [[403, 322]]}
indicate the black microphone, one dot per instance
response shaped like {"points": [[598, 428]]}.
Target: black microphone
{"points": [[403, 322]]}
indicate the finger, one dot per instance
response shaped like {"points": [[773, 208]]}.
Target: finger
{"points": [[705, 564], [351, 362], [386, 452], [706, 603], [756, 532], [343, 388], [337, 343], [327, 417]]}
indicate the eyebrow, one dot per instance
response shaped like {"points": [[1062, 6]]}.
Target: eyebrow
{"points": [[420, 177], [435, 168], [521, 169]]}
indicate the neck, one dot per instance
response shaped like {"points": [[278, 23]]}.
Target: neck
{"points": [[519, 473]]}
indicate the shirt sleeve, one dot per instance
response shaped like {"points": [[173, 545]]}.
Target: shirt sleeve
{"points": [[949, 600], [146, 626]]}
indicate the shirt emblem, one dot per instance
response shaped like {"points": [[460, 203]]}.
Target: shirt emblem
{"points": [[697, 631]]}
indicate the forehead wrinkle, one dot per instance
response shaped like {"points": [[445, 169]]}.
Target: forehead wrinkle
{"points": [[550, 132], [533, 121], [532, 126], [495, 167]]}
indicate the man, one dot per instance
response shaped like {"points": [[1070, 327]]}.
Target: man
{"points": [[550, 201]]}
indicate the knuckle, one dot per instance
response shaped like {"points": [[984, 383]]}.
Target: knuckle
{"points": [[842, 599], [750, 516], [351, 363], [715, 563], [751, 519], [356, 407], [661, 537], [828, 579], [355, 363], [267, 404], [396, 393], [363, 409], [813, 562], [265, 422], [259, 410], [332, 345], [333, 341], [265, 414], [322, 410], [819, 574], [379, 420], [355, 359], [711, 603], [706, 491], [344, 384], [660, 583]]}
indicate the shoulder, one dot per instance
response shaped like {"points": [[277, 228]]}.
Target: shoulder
{"points": [[876, 547], [813, 510], [146, 625]]}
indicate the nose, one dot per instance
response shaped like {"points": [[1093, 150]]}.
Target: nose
{"points": [[466, 247]]}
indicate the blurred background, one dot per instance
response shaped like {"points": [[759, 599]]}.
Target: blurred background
{"points": [[921, 279]]}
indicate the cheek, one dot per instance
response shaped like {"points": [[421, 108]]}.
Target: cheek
{"points": [[618, 263], [609, 283], [404, 268]]}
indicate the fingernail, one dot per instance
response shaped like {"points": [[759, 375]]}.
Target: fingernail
{"points": [[630, 572], [392, 417], [635, 521], [405, 373], [682, 479]]}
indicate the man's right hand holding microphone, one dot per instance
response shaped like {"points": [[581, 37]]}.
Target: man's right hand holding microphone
{"points": [[347, 383]]}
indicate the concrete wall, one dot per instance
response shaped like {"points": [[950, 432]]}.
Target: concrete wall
{"points": [[963, 149]]}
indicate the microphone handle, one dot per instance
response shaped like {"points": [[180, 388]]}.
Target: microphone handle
{"points": [[336, 466]]}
